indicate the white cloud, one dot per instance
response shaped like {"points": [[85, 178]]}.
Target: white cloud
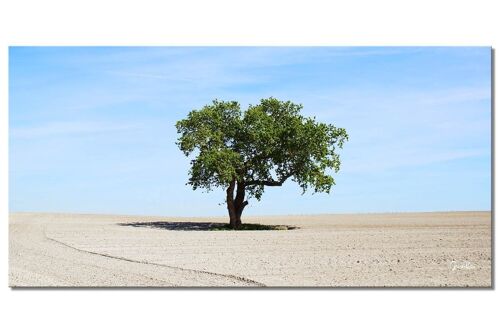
{"points": [[67, 128], [379, 160], [456, 96]]}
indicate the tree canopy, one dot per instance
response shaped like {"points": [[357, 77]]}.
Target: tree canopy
{"points": [[263, 146]]}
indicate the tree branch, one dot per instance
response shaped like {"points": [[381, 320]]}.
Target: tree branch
{"points": [[271, 182]]}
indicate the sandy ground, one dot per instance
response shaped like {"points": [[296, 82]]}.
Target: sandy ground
{"points": [[358, 250]]}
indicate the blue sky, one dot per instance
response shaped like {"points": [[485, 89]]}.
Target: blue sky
{"points": [[92, 128]]}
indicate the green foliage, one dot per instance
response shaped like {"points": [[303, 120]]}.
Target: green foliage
{"points": [[252, 227], [263, 146]]}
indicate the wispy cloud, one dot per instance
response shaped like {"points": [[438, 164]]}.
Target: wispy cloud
{"points": [[159, 76], [456, 96], [55, 129], [88, 114], [387, 159]]}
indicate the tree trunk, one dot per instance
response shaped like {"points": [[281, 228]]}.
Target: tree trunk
{"points": [[236, 205], [230, 204]]}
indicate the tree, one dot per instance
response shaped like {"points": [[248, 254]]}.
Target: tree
{"points": [[262, 146]]}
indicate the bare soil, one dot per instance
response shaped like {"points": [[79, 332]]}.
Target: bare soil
{"points": [[449, 249]]}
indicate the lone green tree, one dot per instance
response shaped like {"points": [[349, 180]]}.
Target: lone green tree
{"points": [[262, 146]]}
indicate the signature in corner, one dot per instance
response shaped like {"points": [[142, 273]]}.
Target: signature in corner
{"points": [[461, 264]]}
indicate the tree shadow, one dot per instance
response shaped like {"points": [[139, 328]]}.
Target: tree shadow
{"points": [[203, 226]]}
